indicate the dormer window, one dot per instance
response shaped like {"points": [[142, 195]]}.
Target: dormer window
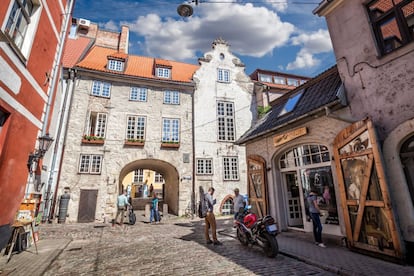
{"points": [[163, 72], [116, 65], [291, 103]]}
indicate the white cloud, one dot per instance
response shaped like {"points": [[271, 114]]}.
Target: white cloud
{"points": [[251, 31], [110, 25], [281, 5], [312, 44]]}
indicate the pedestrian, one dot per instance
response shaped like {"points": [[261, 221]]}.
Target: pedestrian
{"points": [[151, 190], [238, 202], [315, 213], [154, 209], [122, 204], [210, 219]]}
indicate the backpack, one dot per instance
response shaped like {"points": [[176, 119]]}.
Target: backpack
{"points": [[202, 207]]}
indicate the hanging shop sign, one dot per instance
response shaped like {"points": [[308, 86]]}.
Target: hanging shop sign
{"points": [[289, 136]]}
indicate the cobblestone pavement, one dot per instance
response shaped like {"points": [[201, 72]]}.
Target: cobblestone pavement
{"points": [[173, 247]]}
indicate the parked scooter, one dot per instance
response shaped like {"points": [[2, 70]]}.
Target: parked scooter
{"points": [[261, 232]]}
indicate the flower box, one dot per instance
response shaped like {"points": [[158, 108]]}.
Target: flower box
{"points": [[170, 145], [93, 140], [134, 143]]}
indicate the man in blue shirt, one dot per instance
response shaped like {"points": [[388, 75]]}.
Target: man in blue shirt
{"points": [[122, 204]]}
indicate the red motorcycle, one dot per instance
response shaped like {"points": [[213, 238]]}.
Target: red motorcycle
{"points": [[261, 232]]}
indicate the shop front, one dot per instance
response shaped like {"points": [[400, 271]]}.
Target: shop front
{"points": [[304, 168]]}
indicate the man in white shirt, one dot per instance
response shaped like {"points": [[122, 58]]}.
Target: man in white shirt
{"points": [[122, 204], [238, 202]]}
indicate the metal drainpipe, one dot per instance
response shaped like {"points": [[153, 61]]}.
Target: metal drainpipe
{"points": [[193, 204], [56, 67], [52, 88], [57, 148], [72, 91]]}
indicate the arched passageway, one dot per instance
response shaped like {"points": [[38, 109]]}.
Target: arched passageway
{"points": [[169, 173]]}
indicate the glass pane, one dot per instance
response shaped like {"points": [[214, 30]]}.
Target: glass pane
{"points": [[353, 170], [374, 189], [380, 7], [321, 180], [375, 229], [408, 11], [390, 34]]}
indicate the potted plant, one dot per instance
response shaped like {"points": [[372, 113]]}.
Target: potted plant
{"points": [[92, 139], [134, 142]]}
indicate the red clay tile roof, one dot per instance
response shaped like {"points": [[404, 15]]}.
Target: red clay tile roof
{"points": [[74, 49], [162, 63], [118, 55], [137, 66]]}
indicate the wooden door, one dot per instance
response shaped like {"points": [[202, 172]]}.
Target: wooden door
{"points": [[87, 205], [294, 207], [369, 220], [257, 185]]}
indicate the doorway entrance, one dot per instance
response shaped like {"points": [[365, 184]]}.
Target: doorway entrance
{"points": [[305, 168], [294, 206]]}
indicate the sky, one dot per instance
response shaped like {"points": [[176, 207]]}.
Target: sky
{"points": [[276, 35]]}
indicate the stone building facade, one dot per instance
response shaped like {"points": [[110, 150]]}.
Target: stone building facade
{"points": [[223, 110]]}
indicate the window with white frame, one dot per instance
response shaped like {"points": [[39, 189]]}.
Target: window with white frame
{"points": [[101, 89], [231, 168], [279, 80], [204, 166], [158, 178], [139, 176], [97, 124], [170, 130], [392, 23], [293, 82], [116, 65], [90, 163], [19, 20], [135, 128], [138, 94], [225, 121], [223, 75], [171, 97], [265, 78], [163, 72]]}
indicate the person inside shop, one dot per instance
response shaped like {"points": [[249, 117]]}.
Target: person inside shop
{"points": [[151, 190], [314, 213]]}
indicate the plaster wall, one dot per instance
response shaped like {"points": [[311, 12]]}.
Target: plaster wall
{"points": [[378, 87], [208, 91], [118, 160]]}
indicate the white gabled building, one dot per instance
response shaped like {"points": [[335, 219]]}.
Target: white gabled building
{"points": [[223, 111]]}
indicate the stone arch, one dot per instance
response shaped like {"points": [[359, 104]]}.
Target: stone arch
{"points": [[170, 173]]}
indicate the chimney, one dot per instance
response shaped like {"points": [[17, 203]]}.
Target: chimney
{"points": [[124, 40]]}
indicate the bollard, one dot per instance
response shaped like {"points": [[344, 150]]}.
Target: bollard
{"points": [[147, 212], [165, 211]]}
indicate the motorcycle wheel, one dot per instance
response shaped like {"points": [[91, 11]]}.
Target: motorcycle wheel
{"points": [[272, 248], [242, 237]]}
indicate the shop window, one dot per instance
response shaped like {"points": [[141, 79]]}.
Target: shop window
{"points": [[392, 22], [304, 155], [407, 160]]}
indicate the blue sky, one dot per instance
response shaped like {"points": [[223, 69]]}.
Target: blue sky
{"points": [[276, 35]]}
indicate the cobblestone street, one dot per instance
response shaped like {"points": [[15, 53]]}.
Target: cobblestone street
{"points": [[175, 247]]}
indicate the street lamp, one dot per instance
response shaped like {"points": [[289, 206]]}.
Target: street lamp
{"points": [[45, 142], [186, 10]]}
